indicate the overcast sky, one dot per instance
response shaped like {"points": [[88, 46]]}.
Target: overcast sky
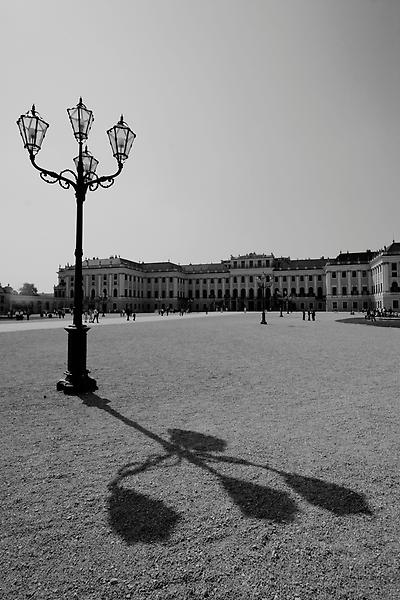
{"points": [[262, 125]]}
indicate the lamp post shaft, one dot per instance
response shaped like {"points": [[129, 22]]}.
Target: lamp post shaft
{"points": [[263, 321], [77, 375]]}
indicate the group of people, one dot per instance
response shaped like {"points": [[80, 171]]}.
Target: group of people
{"points": [[311, 315], [91, 315]]}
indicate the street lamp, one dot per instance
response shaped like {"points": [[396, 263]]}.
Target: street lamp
{"points": [[33, 130], [262, 283]]}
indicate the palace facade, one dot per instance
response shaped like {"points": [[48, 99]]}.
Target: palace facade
{"points": [[350, 282]]}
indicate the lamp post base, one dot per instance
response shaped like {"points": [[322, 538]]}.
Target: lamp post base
{"points": [[70, 385], [263, 321], [77, 378]]}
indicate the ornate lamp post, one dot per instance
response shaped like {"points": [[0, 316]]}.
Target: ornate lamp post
{"points": [[33, 130], [262, 283]]}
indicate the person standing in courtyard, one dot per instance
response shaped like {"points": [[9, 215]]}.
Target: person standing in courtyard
{"points": [[304, 314]]}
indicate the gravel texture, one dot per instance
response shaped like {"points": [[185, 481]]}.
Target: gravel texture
{"points": [[219, 459]]}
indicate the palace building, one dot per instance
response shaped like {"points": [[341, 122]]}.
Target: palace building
{"points": [[350, 282]]}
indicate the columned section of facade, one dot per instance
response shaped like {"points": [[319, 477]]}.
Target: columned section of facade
{"points": [[350, 282]]}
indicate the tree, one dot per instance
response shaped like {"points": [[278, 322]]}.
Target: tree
{"points": [[28, 289]]}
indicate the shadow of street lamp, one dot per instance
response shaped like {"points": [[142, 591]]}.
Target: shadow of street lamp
{"points": [[33, 130]]}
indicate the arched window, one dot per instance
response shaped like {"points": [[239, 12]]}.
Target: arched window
{"points": [[243, 293], [301, 293], [93, 294], [235, 293], [251, 293], [219, 293], [104, 293], [115, 293], [394, 287], [204, 293], [311, 291]]}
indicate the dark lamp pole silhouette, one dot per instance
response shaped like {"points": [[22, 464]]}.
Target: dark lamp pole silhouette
{"points": [[262, 281], [33, 130]]}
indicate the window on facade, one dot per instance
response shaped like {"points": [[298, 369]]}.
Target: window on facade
{"points": [[250, 263], [155, 293], [344, 291], [235, 264], [310, 278], [227, 280], [394, 266], [163, 294], [259, 263], [301, 291], [219, 293], [71, 293], [149, 294], [251, 278], [235, 280], [333, 274], [364, 273], [319, 278], [284, 278], [197, 294], [344, 273], [171, 294], [319, 292], [334, 291], [171, 279], [93, 277], [395, 304], [115, 293], [311, 291], [242, 279], [219, 280], [301, 277], [155, 279], [334, 305], [204, 281], [344, 305], [354, 273], [242, 264], [293, 291], [276, 280], [204, 293], [211, 280], [163, 280]]}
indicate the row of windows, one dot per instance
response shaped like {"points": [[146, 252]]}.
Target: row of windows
{"points": [[344, 273], [353, 291], [250, 264]]}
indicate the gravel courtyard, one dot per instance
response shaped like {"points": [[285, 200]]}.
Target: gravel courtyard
{"points": [[218, 459]]}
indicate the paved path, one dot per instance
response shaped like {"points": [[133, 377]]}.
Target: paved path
{"points": [[35, 323]]}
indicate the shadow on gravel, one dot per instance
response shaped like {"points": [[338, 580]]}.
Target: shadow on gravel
{"points": [[378, 323], [136, 517]]}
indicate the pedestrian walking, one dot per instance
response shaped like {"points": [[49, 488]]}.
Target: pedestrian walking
{"points": [[313, 315], [304, 315]]}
